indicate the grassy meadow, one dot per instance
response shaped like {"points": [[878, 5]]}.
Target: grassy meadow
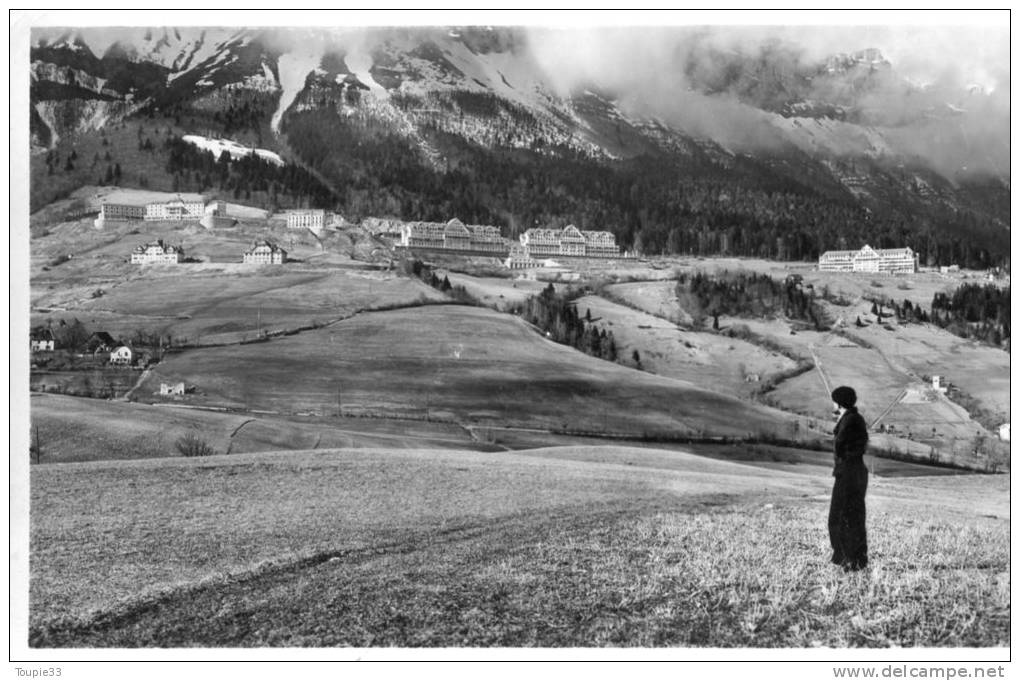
{"points": [[563, 547], [665, 350], [74, 429], [455, 362], [223, 301]]}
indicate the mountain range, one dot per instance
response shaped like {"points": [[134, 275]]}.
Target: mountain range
{"points": [[747, 149]]}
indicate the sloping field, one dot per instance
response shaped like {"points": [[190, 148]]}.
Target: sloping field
{"points": [[925, 350], [657, 298], [559, 547], [80, 429], [495, 291], [703, 358], [227, 302], [455, 362]]}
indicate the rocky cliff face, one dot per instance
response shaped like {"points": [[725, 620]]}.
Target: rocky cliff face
{"points": [[847, 127]]}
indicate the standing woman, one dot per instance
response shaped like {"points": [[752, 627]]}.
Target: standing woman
{"points": [[846, 513]]}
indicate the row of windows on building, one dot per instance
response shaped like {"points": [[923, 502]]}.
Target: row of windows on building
{"points": [[455, 235], [184, 207], [868, 259], [161, 253]]}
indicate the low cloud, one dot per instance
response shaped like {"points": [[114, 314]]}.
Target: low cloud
{"points": [[946, 97]]}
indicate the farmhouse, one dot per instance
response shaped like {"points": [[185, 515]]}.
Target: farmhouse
{"points": [[171, 389], [121, 355], [265, 253], [41, 340], [868, 259], [157, 252]]}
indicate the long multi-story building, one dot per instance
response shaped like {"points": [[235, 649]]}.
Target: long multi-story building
{"points": [[570, 241], [118, 212], [184, 207], [456, 236], [600, 245], [487, 238], [157, 252], [540, 241], [265, 253], [453, 235], [314, 219], [868, 259], [422, 234]]}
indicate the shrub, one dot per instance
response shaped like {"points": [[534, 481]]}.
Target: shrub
{"points": [[193, 445]]}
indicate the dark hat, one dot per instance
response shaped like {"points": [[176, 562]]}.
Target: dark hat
{"points": [[844, 396]]}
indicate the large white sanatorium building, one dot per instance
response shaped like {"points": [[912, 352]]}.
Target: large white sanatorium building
{"points": [[868, 259], [314, 219], [570, 241], [183, 207], [452, 235]]}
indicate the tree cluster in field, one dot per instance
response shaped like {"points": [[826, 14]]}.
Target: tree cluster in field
{"points": [[746, 294], [199, 170], [192, 444], [427, 275], [653, 204], [556, 315], [76, 336], [974, 311]]}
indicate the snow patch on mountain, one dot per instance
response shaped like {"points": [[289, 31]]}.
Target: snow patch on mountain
{"points": [[359, 63], [294, 68], [218, 146]]}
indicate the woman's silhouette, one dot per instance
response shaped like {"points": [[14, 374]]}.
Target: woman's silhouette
{"points": [[847, 513]]}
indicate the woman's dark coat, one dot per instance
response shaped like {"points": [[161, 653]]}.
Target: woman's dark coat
{"points": [[847, 532]]}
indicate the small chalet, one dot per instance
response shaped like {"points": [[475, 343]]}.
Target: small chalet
{"points": [[121, 355], [172, 389], [41, 340]]}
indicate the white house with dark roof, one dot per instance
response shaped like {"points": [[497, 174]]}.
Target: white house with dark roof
{"points": [[121, 355], [158, 252], [265, 253], [41, 339]]}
